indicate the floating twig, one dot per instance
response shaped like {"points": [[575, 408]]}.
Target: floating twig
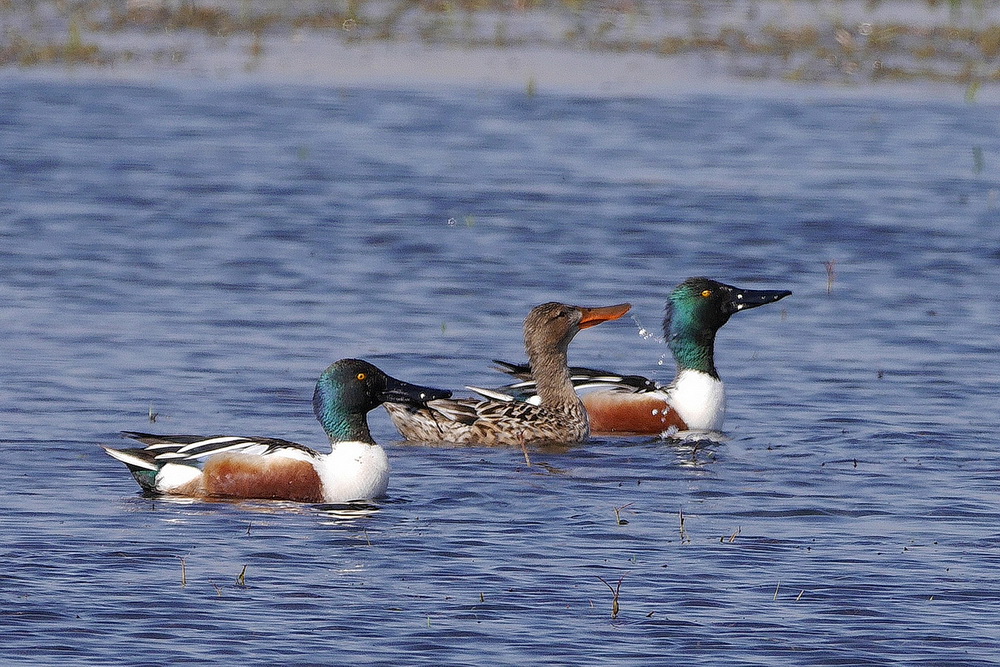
{"points": [[618, 515], [615, 591]]}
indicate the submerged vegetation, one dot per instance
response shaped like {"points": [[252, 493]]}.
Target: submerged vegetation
{"points": [[797, 40]]}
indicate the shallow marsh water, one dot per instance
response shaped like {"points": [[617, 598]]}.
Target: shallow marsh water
{"points": [[203, 253]]}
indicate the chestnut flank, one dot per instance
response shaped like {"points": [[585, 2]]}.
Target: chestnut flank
{"points": [[252, 476]]}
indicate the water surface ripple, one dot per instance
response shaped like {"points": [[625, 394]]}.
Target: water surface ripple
{"points": [[203, 252]]}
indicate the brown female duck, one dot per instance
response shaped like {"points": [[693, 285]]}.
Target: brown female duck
{"points": [[499, 419]]}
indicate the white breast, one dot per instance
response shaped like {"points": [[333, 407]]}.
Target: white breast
{"points": [[354, 471], [699, 399]]}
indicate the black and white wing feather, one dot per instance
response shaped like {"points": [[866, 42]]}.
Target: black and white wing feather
{"points": [[191, 448], [582, 379]]}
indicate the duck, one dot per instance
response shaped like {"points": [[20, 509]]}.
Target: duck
{"points": [[235, 467], [495, 418], [695, 401]]}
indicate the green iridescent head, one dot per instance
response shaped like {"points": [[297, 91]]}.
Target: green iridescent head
{"points": [[696, 309], [350, 388]]}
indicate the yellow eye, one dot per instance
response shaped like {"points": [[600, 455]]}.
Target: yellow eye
{"points": [[361, 376], [707, 293]]}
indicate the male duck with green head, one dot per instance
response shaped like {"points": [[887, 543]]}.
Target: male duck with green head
{"points": [[226, 466]]}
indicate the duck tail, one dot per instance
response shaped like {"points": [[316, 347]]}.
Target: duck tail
{"points": [[143, 465]]}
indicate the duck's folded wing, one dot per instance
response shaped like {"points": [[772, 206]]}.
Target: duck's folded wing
{"points": [[582, 379], [470, 411], [194, 447], [458, 410], [493, 394]]}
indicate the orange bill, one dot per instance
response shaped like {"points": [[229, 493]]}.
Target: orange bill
{"points": [[594, 316]]}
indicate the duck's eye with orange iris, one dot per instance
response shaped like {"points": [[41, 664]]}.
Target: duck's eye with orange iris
{"points": [[707, 293], [361, 376]]}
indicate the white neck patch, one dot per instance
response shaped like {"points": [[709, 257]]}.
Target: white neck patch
{"points": [[699, 399], [353, 471]]}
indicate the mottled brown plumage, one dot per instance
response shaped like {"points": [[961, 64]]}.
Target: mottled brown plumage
{"points": [[560, 417]]}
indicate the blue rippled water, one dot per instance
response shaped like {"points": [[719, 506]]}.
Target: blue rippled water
{"points": [[203, 252]]}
